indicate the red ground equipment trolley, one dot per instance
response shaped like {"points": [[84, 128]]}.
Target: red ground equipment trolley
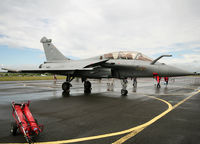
{"points": [[25, 122]]}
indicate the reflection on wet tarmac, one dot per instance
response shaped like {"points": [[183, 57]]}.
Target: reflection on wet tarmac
{"points": [[65, 94], [134, 89], [36, 90], [165, 90], [157, 90], [75, 115]]}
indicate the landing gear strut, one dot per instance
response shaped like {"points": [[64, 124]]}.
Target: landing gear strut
{"points": [[124, 92], [87, 87], [135, 82], [66, 85]]}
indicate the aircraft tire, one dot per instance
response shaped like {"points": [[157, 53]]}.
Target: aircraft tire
{"points": [[66, 86], [65, 93], [87, 85], [87, 91], [124, 92]]}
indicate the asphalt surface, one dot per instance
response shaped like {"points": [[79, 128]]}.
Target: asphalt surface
{"points": [[169, 115]]}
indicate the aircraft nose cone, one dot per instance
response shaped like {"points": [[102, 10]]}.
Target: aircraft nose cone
{"points": [[171, 71], [178, 72]]}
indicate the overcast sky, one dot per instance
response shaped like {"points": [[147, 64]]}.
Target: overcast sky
{"points": [[84, 28]]}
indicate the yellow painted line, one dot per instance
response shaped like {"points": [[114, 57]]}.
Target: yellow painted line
{"points": [[137, 128], [133, 133], [115, 133], [128, 136], [176, 105]]}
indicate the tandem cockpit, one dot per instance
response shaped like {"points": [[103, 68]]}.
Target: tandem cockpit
{"points": [[128, 55]]}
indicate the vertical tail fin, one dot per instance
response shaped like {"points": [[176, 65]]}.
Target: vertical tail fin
{"points": [[51, 52]]}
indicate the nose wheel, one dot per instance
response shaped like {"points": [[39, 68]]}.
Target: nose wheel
{"points": [[124, 92], [124, 83]]}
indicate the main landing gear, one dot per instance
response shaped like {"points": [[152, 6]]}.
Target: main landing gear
{"points": [[124, 92], [66, 85], [87, 87]]}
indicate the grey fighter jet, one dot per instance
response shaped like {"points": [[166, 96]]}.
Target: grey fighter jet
{"points": [[121, 65]]}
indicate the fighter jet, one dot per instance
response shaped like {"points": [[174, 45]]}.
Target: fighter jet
{"points": [[121, 65]]}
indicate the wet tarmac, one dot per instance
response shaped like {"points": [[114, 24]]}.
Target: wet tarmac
{"points": [[168, 115]]}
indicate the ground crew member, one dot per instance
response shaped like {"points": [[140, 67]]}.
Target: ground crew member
{"points": [[166, 80], [54, 77]]}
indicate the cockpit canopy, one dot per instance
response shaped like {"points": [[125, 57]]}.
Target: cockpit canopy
{"points": [[130, 55]]}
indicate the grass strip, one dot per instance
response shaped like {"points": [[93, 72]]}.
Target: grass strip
{"points": [[28, 78]]}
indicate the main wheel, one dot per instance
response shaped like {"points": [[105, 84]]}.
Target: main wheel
{"points": [[66, 86], [87, 85], [13, 129], [87, 91], [124, 92], [65, 93]]}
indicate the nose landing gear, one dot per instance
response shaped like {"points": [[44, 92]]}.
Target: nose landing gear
{"points": [[124, 92], [135, 82]]}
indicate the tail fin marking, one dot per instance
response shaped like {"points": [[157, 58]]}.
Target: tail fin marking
{"points": [[51, 52]]}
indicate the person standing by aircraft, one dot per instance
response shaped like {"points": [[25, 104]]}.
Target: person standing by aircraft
{"points": [[55, 78], [158, 81], [166, 80]]}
